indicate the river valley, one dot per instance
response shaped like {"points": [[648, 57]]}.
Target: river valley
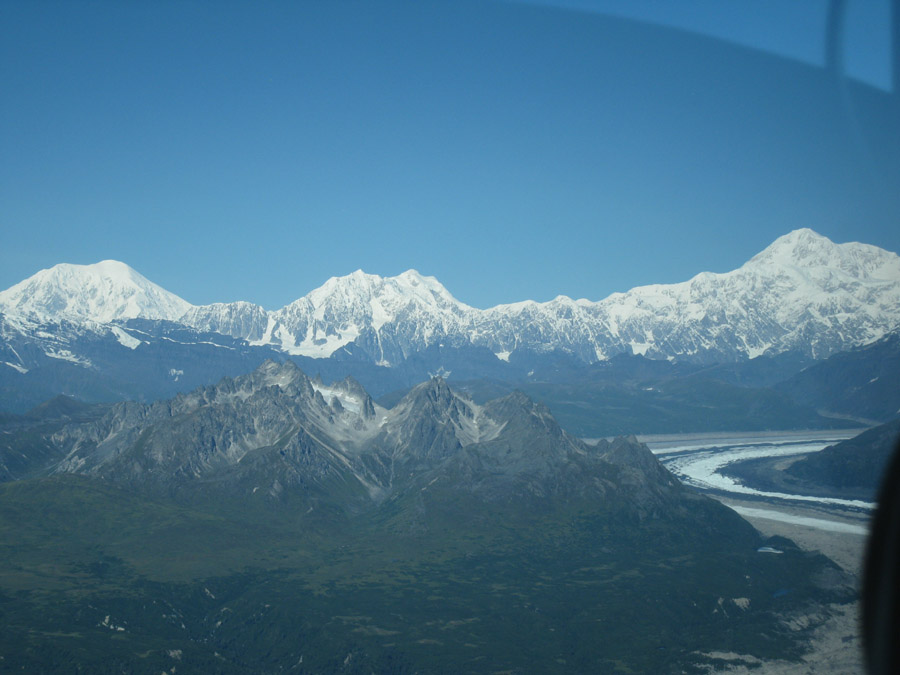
{"points": [[834, 525]]}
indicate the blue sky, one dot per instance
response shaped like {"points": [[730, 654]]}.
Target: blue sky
{"points": [[513, 150]]}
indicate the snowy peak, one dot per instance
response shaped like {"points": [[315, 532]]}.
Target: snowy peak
{"points": [[427, 289], [357, 306], [805, 248], [102, 292], [802, 245], [380, 296], [433, 394], [802, 293]]}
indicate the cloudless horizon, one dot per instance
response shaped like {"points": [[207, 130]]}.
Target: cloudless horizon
{"points": [[236, 151]]}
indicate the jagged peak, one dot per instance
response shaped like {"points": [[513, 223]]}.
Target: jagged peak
{"points": [[271, 372], [351, 390], [362, 287], [518, 401], [434, 397], [349, 385], [270, 365], [519, 397], [436, 387]]}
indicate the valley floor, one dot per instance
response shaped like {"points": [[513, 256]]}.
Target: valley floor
{"points": [[836, 647], [839, 534], [837, 530]]}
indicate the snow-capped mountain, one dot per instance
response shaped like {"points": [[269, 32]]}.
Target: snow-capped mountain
{"points": [[358, 308], [388, 318], [803, 293], [101, 293]]}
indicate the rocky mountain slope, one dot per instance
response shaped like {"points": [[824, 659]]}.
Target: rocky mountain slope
{"points": [[273, 522], [856, 465], [859, 384], [276, 433], [26, 441]]}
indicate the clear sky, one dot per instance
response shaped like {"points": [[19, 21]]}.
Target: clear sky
{"points": [[251, 150]]}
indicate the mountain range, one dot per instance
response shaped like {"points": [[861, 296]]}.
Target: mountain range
{"points": [[271, 522], [276, 432], [103, 332], [803, 293]]}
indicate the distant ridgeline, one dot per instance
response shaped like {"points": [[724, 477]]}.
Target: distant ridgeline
{"points": [[716, 352], [274, 522]]}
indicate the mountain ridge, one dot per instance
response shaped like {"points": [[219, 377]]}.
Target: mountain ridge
{"points": [[803, 294], [798, 269], [218, 520], [273, 434]]}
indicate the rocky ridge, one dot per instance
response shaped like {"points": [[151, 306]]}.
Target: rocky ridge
{"points": [[276, 433]]}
